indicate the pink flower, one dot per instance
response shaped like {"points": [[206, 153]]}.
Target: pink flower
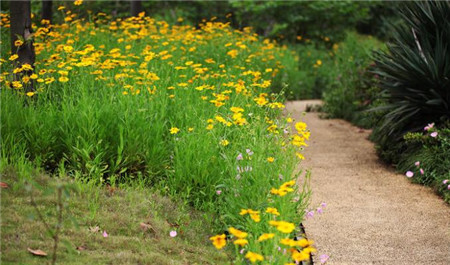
{"points": [[105, 234], [429, 126], [319, 210], [242, 251], [218, 192], [323, 204], [323, 258], [421, 171], [310, 214], [448, 187], [239, 157], [173, 233], [434, 134], [445, 181], [409, 174], [417, 163]]}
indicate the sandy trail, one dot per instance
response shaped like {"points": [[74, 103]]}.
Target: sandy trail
{"points": [[373, 215]]}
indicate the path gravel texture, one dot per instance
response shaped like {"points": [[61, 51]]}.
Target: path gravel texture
{"points": [[373, 214]]}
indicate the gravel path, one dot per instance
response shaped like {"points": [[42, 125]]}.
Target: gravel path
{"points": [[373, 215]]}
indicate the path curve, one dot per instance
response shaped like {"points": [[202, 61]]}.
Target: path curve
{"points": [[373, 215]]}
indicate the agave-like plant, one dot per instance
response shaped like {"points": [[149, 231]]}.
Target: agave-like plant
{"points": [[415, 71]]}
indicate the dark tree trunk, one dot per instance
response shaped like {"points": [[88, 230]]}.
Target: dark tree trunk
{"points": [[136, 7], [47, 10], [20, 12]]}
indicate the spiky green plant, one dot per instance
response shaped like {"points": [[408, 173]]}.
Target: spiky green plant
{"points": [[415, 72]]}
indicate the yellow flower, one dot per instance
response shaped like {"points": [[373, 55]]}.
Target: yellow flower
{"points": [[78, 2], [254, 257], [18, 43], [270, 159], [63, 79], [300, 126], [284, 227], [288, 242], [13, 57], [265, 236], [224, 142], [219, 241], [244, 212], [255, 217], [232, 53], [237, 233], [209, 127], [319, 62], [272, 210], [30, 94], [300, 256], [241, 242], [287, 184], [289, 120], [300, 156], [174, 130], [17, 84], [190, 129]]}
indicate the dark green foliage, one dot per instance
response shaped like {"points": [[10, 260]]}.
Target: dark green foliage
{"points": [[415, 72], [380, 18], [348, 83]]}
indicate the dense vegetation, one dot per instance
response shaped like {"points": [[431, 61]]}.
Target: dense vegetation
{"points": [[415, 78], [188, 103], [186, 110]]}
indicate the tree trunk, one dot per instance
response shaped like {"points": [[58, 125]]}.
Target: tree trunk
{"points": [[136, 7], [47, 10], [20, 12]]}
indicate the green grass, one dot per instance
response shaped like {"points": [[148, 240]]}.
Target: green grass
{"points": [[118, 211]]}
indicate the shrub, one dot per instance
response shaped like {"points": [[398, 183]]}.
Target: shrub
{"points": [[349, 89], [415, 73]]}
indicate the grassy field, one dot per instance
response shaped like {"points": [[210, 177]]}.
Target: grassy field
{"points": [[188, 111], [137, 222]]}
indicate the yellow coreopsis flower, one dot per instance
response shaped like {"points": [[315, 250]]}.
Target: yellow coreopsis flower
{"points": [[224, 142], [255, 217], [78, 2], [265, 236], [18, 43], [237, 233], [282, 226], [219, 241], [270, 159], [300, 156], [174, 130], [300, 126], [300, 256], [254, 257], [272, 210], [13, 57], [241, 242], [63, 79]]}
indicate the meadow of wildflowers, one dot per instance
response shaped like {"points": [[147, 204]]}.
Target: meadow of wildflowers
{"points": [[188, 110]]}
